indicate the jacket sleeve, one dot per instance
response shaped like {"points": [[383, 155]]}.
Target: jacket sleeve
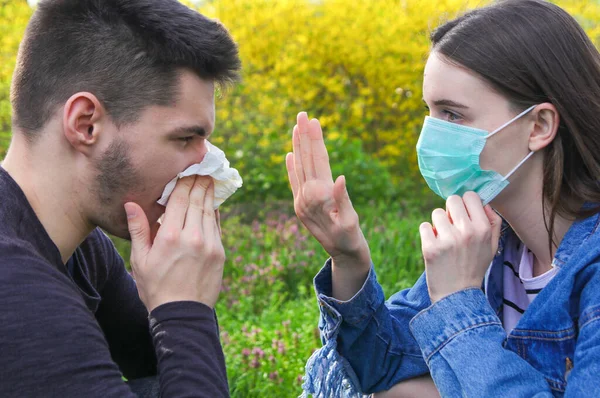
{"points": [[368, 346], [582, 381], [461, 337]]}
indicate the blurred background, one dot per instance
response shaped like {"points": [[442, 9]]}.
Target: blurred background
{"points": [[357, 66]]}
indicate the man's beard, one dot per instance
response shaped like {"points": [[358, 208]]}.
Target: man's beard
{"points": [[115, 178], [116, 174]]}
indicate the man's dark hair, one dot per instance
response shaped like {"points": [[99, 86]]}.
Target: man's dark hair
{"points": [[128, 53]]}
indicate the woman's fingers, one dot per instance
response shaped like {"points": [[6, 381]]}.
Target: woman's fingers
{"points": [[428, 237], [298, 169], [474, 206], [289, 164], [306, 156], [442, 224], [457, 212], [319, 151]]}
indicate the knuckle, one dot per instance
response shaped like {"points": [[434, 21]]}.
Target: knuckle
{"points": [[208, 213], [350, 223], [300, 211], [170, 236], [467, 236], [485, 233], [444, 246], [430, 254], [203, 182], [220, 256], [135, 230], [481, 229], [216, 256], [180, 200], [186, 182], [195, 240], [196, 199]]}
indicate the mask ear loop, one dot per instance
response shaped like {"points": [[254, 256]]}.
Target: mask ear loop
{"points": [[503, 126], [519, 165], [512, 120]]}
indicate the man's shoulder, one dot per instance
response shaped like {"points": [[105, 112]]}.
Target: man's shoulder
{"points": [[15, 251], [25, 274]]}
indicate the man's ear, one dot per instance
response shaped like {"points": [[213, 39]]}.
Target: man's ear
{"points": [[83, 119], [546, 121]]}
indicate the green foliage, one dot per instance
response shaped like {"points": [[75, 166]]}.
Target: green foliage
{"points": [[267, 310], [358, 72]]}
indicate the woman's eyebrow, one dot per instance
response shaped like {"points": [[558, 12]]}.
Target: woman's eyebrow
{"points": [[447, 102]]}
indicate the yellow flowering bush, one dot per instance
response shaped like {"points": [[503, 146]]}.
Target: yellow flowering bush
{"points": [[358, 69], [356, 66], [13, 19]]}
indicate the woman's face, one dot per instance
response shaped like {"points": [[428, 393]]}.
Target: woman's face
{"points": [[457, 95]]}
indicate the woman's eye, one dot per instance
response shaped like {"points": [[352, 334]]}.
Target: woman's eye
{"points": [[451, 116]]}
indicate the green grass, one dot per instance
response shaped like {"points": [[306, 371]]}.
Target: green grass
{"points": [[267, 310]]}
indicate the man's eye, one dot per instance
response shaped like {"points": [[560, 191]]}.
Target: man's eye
{"points": [[186, 139]]}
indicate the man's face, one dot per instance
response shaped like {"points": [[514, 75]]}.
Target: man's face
{"points": [[145, 156]]}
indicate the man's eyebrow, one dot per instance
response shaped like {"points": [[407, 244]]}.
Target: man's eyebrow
{"points": [[198, 130]]}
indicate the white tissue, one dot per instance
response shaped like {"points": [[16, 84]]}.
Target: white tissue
{"points": [[227, 180]]}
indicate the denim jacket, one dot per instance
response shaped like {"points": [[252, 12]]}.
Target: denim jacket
{"points": [[554, 351]]}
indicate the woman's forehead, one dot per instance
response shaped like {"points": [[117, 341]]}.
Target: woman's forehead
{"points": [[443, 79]]}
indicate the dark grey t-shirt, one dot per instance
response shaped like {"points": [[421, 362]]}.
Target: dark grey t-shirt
{"points": [[72, 330]]}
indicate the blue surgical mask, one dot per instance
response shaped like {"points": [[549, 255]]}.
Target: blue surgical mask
{"points": [[449, 155]]}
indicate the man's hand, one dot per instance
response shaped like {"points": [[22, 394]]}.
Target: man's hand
{"points": [[184, 262]]}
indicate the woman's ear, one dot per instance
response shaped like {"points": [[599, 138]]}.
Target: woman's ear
{"points": [[546, 121]]}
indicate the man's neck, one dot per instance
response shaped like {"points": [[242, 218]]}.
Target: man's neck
{"points": [[49, 190]]}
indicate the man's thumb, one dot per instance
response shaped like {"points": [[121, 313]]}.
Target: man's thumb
{"points": [[139, 230]]}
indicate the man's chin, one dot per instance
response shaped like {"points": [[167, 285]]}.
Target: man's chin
{"points": [[119, 227], [119, 233]]}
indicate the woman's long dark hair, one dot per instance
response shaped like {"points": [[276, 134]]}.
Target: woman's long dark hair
{"points": [[531, 52]]}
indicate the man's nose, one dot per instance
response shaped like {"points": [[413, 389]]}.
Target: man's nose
{"points": [[201, 151]]}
